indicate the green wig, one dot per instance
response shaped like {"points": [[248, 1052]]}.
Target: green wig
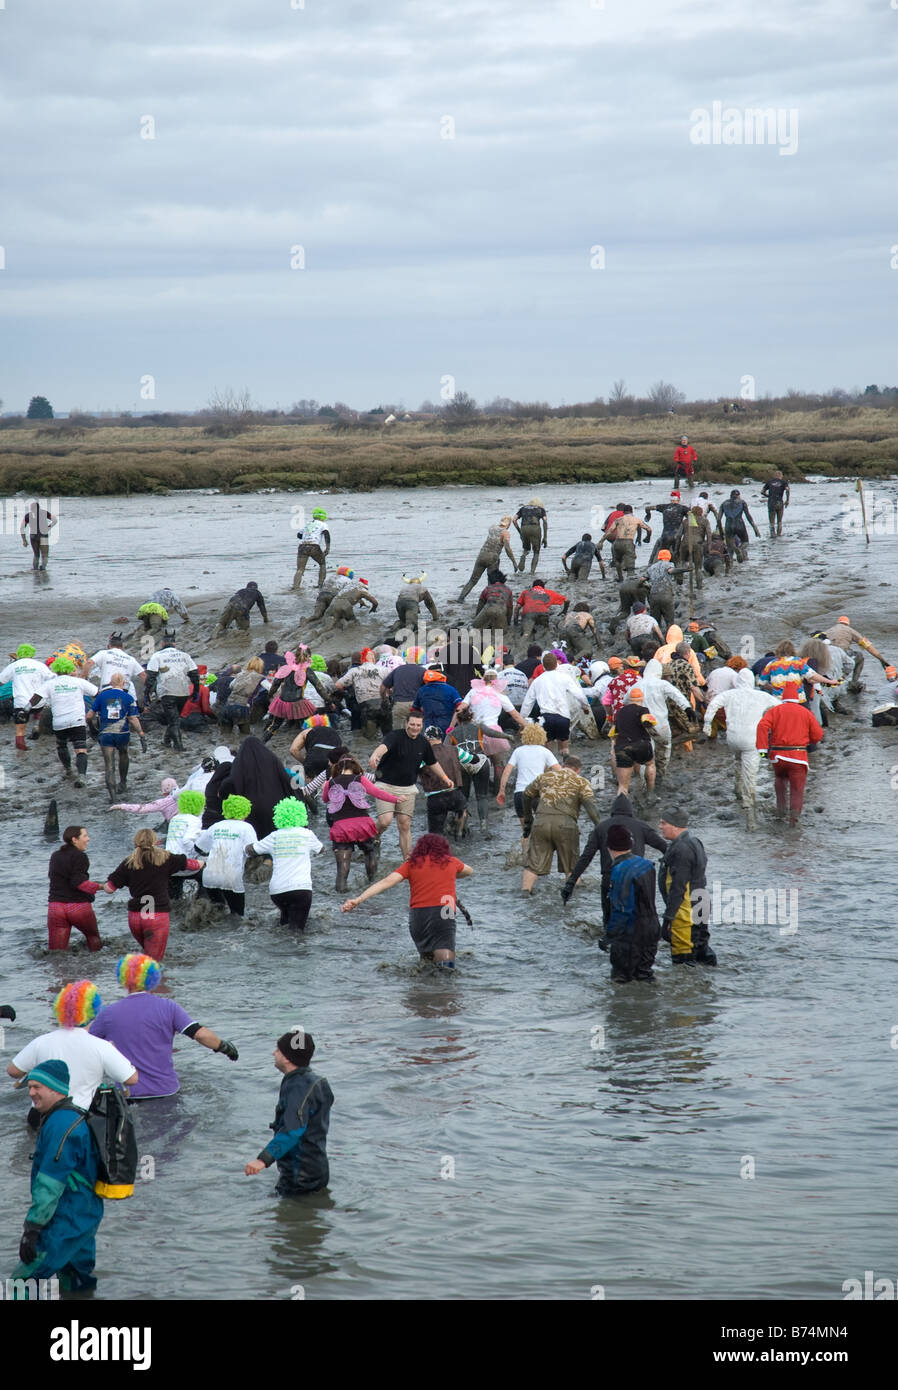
{"points": [[319, 514], [24, 651], [191, 803], [289, 813], [236, 807], [318, 663], [63, 666], [153, 608]]}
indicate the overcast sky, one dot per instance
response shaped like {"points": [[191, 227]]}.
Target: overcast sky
{"points": [[324, 128]]}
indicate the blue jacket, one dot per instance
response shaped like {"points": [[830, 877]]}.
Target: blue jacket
{"points": [[63, 1202], [632, 894], [299, 1146]]}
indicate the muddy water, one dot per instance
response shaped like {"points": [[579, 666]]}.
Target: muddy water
{"points": [[524, 1129]]}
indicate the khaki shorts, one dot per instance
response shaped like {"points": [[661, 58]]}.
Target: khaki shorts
{"points": [[400, 713], [406, 796]]}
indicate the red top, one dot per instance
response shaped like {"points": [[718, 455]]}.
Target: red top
{"points": [[785, 730], [687, 457], [539, 600], [432, 885]]}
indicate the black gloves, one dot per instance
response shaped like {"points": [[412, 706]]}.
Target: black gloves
{"points": [[28, 1244], [665, 931], [228, 1049], [566, 892]]}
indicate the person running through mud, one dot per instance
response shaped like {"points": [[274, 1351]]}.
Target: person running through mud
{"points": [[631, 742], [842, 635], [497, 540], [672, 513], [337, 583], [409, 599], [633, 929], [776, 490], [784, 732], [734, 512], [288, 704], [103, 665], [442, 803], [341, 609], [64, 693], [225, 844], [172, 675], [495, 605], [431, 870], [578, 632], [345, 797], [695, 536], [534, 607], [397, 761], [70, 901], [41, 523], [290, 846], [551, 806], [709, 509], [28, 676], [239, 606], [114, 712], [153, 618], [743, 707], [145, 873], [685, 459], [642, 627], [314, 544], [169, 600], [634, 589], [584, 551], [553, 691], [623, 535], [527, 762], [532, 525]]}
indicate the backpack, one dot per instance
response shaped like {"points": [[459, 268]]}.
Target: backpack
{"points": [[115, 1142]]}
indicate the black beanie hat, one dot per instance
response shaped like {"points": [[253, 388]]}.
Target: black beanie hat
{"points": [[619, 837], [297, 1046]]}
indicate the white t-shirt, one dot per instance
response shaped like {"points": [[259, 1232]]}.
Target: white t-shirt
{"points": [[515, 685], [172, 666], [105, 664], [88, 1059], [723, 678], [529, 761], [291, 851], [640, 624], [66, 696], [182, 832], [552, 691], [197, 781], [27, 676], [485, 710], [225, 844]]}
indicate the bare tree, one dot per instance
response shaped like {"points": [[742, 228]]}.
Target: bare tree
{"points": [[460, 410], [666, 397], [229, 412]]}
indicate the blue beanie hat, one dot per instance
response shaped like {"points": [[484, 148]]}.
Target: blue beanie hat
{"points": [[53, 1074]]}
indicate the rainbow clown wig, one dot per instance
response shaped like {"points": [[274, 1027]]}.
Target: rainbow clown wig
{"points": [[289, 813], [191, 803], [63, 666], [316, 721], [136, 972], [414, 656], [345, 572], [77, 1005], [236, 807]]}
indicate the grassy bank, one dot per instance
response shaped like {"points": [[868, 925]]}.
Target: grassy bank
{"points": [[296, 457]]}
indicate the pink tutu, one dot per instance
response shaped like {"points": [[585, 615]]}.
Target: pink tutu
{"points": [[286, 709], [353, 829]]}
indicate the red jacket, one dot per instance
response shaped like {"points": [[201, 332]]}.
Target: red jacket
{"points": [[785, 731], [687, 457], [539, 600]]}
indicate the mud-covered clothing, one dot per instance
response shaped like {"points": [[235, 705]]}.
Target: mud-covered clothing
{"points": [[531, 516], [300, 1125], [447, 758], [539, 601], [552, 804], [672, 514], [497, 596], [245, 600], [410, 597], [683, 888], [584, 552], [643, 834], [364, 681], [776, 490], [172, 672]]}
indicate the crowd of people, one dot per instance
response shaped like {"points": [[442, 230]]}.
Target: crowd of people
{"points": [[491, 704]]}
